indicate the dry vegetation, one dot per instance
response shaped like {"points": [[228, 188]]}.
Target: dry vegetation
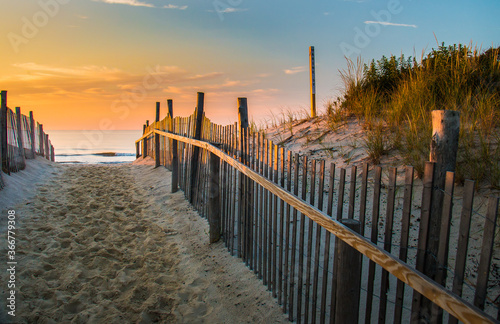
{"points": [[393, 98]]}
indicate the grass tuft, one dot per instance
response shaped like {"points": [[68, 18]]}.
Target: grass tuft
{"points": [[403, 92]]}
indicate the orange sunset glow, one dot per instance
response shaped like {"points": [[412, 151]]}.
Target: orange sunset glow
{"points": [[82, 64]]}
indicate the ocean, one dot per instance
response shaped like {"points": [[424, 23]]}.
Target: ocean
{"points": [[94, 146]]}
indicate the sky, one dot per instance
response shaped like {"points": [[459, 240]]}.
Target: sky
{"points": [[103, 64]]}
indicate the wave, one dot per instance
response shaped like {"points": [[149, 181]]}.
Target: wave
{"points": [[80, 162], [98, 154]]}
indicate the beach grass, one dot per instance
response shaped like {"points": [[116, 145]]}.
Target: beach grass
{"points": [[393, 98]]}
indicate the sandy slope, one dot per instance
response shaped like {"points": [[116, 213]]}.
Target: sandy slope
{"points": [[346, 147], [110, 244]]}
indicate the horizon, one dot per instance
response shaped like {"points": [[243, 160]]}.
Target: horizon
{"points": [[82, 64]]}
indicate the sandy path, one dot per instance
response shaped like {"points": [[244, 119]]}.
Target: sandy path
{"points": [[110, 244]]}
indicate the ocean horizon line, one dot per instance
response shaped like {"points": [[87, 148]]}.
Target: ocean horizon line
{"points": [[98, 154]]}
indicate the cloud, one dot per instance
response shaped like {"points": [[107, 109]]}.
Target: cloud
{"points": [[265, 91], [134, 3], [230, 10], [171, 6], [34, 71], [207, 76], [295, 70], [215, 87], [385, 23], [80, 82]]}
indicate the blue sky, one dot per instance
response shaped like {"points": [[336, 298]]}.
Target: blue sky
{"points": [[90, 58]]}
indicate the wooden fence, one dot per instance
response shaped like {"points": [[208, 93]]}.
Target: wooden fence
{"points": [[21, 138], [277, 211]]}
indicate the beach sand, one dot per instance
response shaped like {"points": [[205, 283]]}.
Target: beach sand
{"points": [[111, 244], [99, 242]]}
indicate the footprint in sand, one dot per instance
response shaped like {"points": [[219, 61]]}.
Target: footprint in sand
{"points": [[96, 256]]}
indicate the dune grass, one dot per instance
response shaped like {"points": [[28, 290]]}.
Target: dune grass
{"points": [[393, 98]]}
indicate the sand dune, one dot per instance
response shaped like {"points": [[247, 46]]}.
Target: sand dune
{"points": [[111, 244]]}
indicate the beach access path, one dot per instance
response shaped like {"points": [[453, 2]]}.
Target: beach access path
{"points": [[112, 244]]}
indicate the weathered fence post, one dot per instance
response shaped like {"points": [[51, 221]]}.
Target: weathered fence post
{"points": [[348, 274], [3, 133], [243, 122], [170, 129], [145, 141], [157, 137], [214, 212], [243, 185], [20, 144], [444, 147], [174, 156], [32, 135], [196, 149], [47, 147], [52, 153], [41, 140]]}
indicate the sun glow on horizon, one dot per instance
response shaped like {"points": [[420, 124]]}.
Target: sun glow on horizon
{"points": [[88, 63]]}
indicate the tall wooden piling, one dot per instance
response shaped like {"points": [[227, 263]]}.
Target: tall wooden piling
{"points": [[312, 73]]}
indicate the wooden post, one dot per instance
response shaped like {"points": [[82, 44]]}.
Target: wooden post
{"points": [[3, 132], [32, 135], [157, 137], [196, 149], [348, 283], [47, 148], [41, 140], [52, 153], [243, 182], [144, 141], [175, 158], [214, 212], [20, 146], [170, 114], [444, 147], [243, 122], [170, 129], [312, 74]]}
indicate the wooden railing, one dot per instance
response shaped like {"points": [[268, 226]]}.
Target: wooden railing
{"points": [[242, 184]]}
